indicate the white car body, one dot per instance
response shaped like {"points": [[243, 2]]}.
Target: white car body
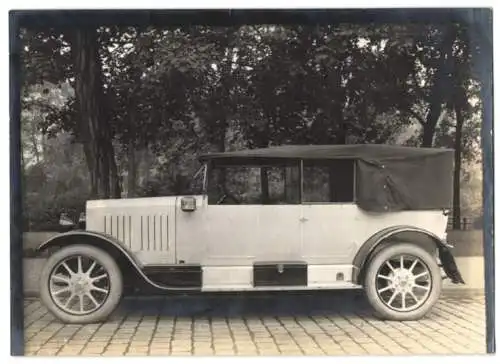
{"points": [[227, 240]]}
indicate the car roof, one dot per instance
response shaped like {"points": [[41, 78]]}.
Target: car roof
{"points": [[378, 152]]}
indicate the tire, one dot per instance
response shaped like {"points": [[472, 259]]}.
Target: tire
{"points": [[380, 277], [106, 288]]}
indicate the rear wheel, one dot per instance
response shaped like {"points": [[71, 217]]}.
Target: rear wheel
{"points": [[403, 282], [81, 284]]}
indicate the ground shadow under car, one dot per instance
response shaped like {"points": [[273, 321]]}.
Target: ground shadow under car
{"points": [[248, 304]]}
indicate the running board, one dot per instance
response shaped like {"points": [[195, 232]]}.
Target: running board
{"points": [[260, 277], [333, 286]]}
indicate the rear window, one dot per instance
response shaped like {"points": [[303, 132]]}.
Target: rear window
{"points": [[328, 181]]}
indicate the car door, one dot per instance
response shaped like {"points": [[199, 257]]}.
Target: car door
{"points": [[243, 227], [249, 234], [329, 214]]}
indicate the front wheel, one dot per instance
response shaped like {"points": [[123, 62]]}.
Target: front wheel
{"points": [[403, 282], [81, 284]]}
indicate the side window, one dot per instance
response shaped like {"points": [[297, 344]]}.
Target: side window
{"points": [[316, 186], [253, 185], [242, 184], [283, 185], [329, 181], [230, 185]]}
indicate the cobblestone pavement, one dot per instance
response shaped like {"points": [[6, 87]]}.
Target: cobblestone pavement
{"points": [[320, 323]]}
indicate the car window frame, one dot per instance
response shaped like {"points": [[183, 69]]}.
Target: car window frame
{"points": [[256, 164], [209, 166]]}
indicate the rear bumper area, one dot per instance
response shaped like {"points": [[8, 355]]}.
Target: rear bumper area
{"points": [[449, 265]]}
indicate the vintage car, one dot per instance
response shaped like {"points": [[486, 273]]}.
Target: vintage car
{"points": [[370, 217]]}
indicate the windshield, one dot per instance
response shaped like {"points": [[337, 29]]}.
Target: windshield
{"points": [[198, 181]]}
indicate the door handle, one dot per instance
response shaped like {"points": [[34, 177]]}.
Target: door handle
{"points": [[303, 219]]}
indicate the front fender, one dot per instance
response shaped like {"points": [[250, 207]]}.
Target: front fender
{"points": [[368, 248], [76, 237], [112, 246]]}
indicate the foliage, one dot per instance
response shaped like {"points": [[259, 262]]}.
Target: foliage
{"points": [[59, 183], [472, 188], [164, 95]]}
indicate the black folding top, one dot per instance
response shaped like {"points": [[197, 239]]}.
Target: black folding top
{"points": [[388, 177], [350, 151]]}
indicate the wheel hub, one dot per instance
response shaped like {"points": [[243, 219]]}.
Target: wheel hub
{"points": [[80, 284], [403, 280]]}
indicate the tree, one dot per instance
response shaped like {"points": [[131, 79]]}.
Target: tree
{"points": [[61, 56], [425, 52], [93, 126], [54, 177], [440, 85], [193, 89], [463, 128], [461, 86]]}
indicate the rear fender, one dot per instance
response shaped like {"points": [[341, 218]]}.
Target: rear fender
{"points": [[421, 237]]}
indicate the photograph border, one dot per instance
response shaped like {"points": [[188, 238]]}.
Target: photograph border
{"points": [[480, 20]]}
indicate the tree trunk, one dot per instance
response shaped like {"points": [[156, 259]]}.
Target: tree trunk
{"points": [[431, 123], [131, 160], [220, 144], [114, 179], [264, 185], [337, 107], [104, 182], [132, 171], [36, 152], [33, 135], [94, 129], [292, 184], [91, 167], [222, 126], [439, 89], [458, 167], [263, 142], [146, 161]]}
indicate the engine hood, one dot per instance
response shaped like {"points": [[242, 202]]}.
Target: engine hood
{"points": [[139, 223]]}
